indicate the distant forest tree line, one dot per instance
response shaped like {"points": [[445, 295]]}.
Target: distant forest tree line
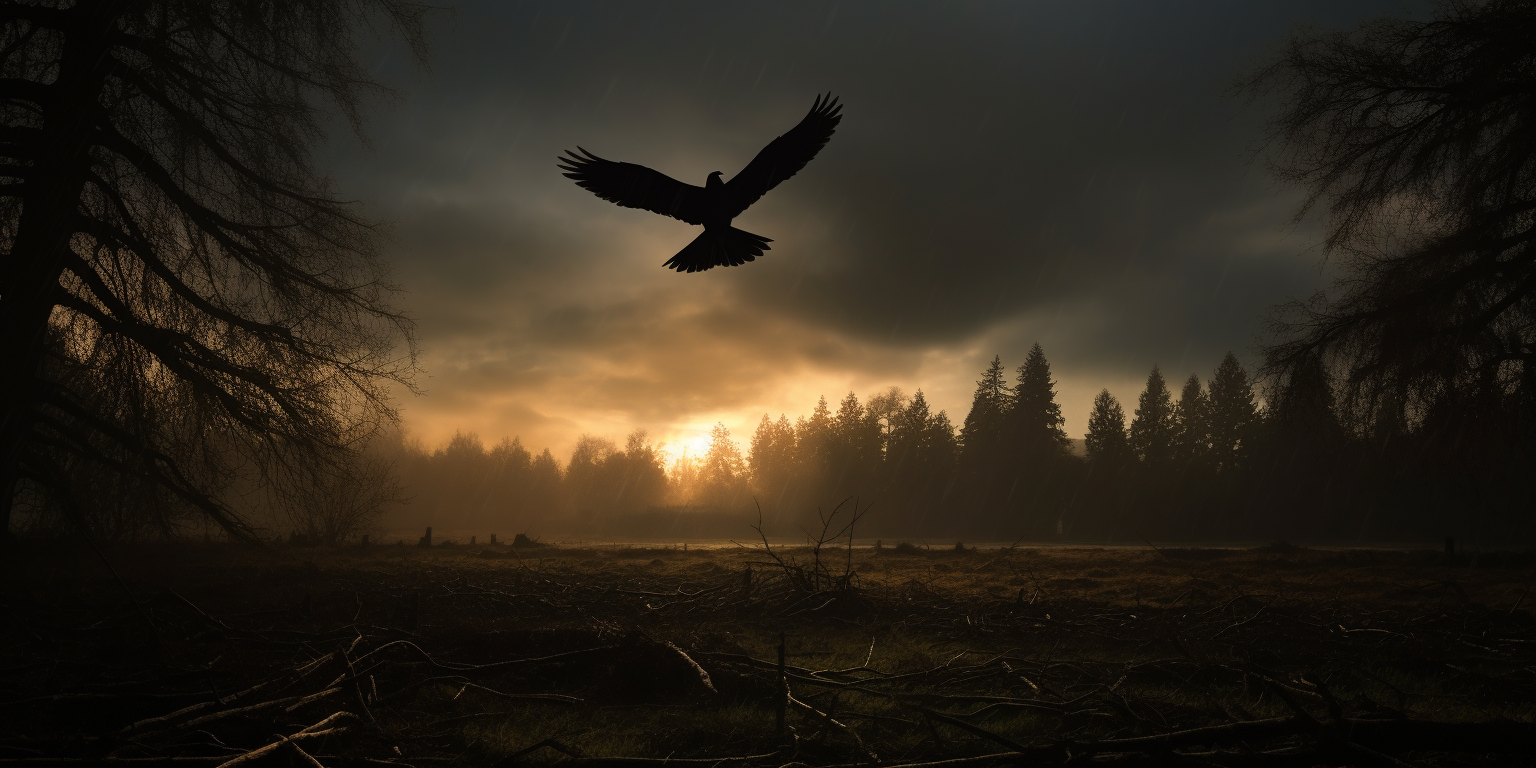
{"points": [[1212, 463]]}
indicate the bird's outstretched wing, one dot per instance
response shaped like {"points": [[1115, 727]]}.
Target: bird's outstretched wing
{"points": [[784, 156], [635, 186]]}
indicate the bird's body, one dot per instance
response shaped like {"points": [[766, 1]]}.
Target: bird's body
{"points": [[715, 204]]}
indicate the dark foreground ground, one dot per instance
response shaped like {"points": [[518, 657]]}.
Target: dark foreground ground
{"points": [[223, 656]]}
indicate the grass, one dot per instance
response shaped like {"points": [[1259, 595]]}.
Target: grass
{"points": [[1036, 646]]}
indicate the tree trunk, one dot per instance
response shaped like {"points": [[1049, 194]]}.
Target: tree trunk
{"points": [[50, 202]]}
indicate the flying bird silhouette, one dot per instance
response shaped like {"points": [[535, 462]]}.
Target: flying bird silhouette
{"points": [[716, 203]]}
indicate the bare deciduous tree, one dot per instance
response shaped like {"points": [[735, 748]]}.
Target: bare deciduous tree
{"points": [[1419, 139], [182, 293]]}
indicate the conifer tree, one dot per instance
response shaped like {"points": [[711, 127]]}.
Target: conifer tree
{"points": [[984, 449], [814, 437], [941, 443], [938, 453], [856, 449], [723, 473], [1301, 448], [922, 459], [1152, 431], [1192, 428], [855, 432], [1106, 441], [1233, 413], [1303, 434], [761, 453], [772, 457], [788, 457], [909, 439], [1304, 411], [984, 425], [1035, 417]]}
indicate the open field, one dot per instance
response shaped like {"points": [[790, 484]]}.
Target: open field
{"points": [[401, 655]]}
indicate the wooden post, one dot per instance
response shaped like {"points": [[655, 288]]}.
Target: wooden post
{"points": [[783, 690]]}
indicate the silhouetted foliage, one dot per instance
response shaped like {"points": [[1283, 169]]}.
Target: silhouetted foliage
{"points": [[772, 460], [1192, 424], [1233, 415], [1106, 442], [723, 474], [920, 464], [1152, 431], [1210, 465], [184, 301], [856, 450], [982, 432], [1034, 417], [1418, 138]]}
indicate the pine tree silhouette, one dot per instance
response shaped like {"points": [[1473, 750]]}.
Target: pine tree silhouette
{"points": [[1192, 425], [984, 426], [1304, 413], [1301, 449], [1035, 417], [1106, 441], [771, 459], [1233, 414], [1152, 431]]}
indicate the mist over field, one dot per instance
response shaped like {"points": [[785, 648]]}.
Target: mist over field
{"points": [[1212, 464]]}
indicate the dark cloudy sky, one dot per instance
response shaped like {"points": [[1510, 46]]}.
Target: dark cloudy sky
{"points": [[1068, 173]]}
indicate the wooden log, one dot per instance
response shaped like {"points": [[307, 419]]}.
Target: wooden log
{"points": [[313, 731], [694, 665]]}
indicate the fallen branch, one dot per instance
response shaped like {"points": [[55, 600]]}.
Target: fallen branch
{"points": [[313, 731]]}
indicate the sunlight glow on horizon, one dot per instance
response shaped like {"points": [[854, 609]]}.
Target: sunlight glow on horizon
{"points": [[691, 436]]}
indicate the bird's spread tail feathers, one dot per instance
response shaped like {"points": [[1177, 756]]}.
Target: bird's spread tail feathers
{"points": [[719, 247]]}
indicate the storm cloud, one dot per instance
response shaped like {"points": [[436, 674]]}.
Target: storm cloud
{"points": [[1075, 174]]}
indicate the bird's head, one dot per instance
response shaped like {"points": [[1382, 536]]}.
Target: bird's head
{"points": [[714, 180]]}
